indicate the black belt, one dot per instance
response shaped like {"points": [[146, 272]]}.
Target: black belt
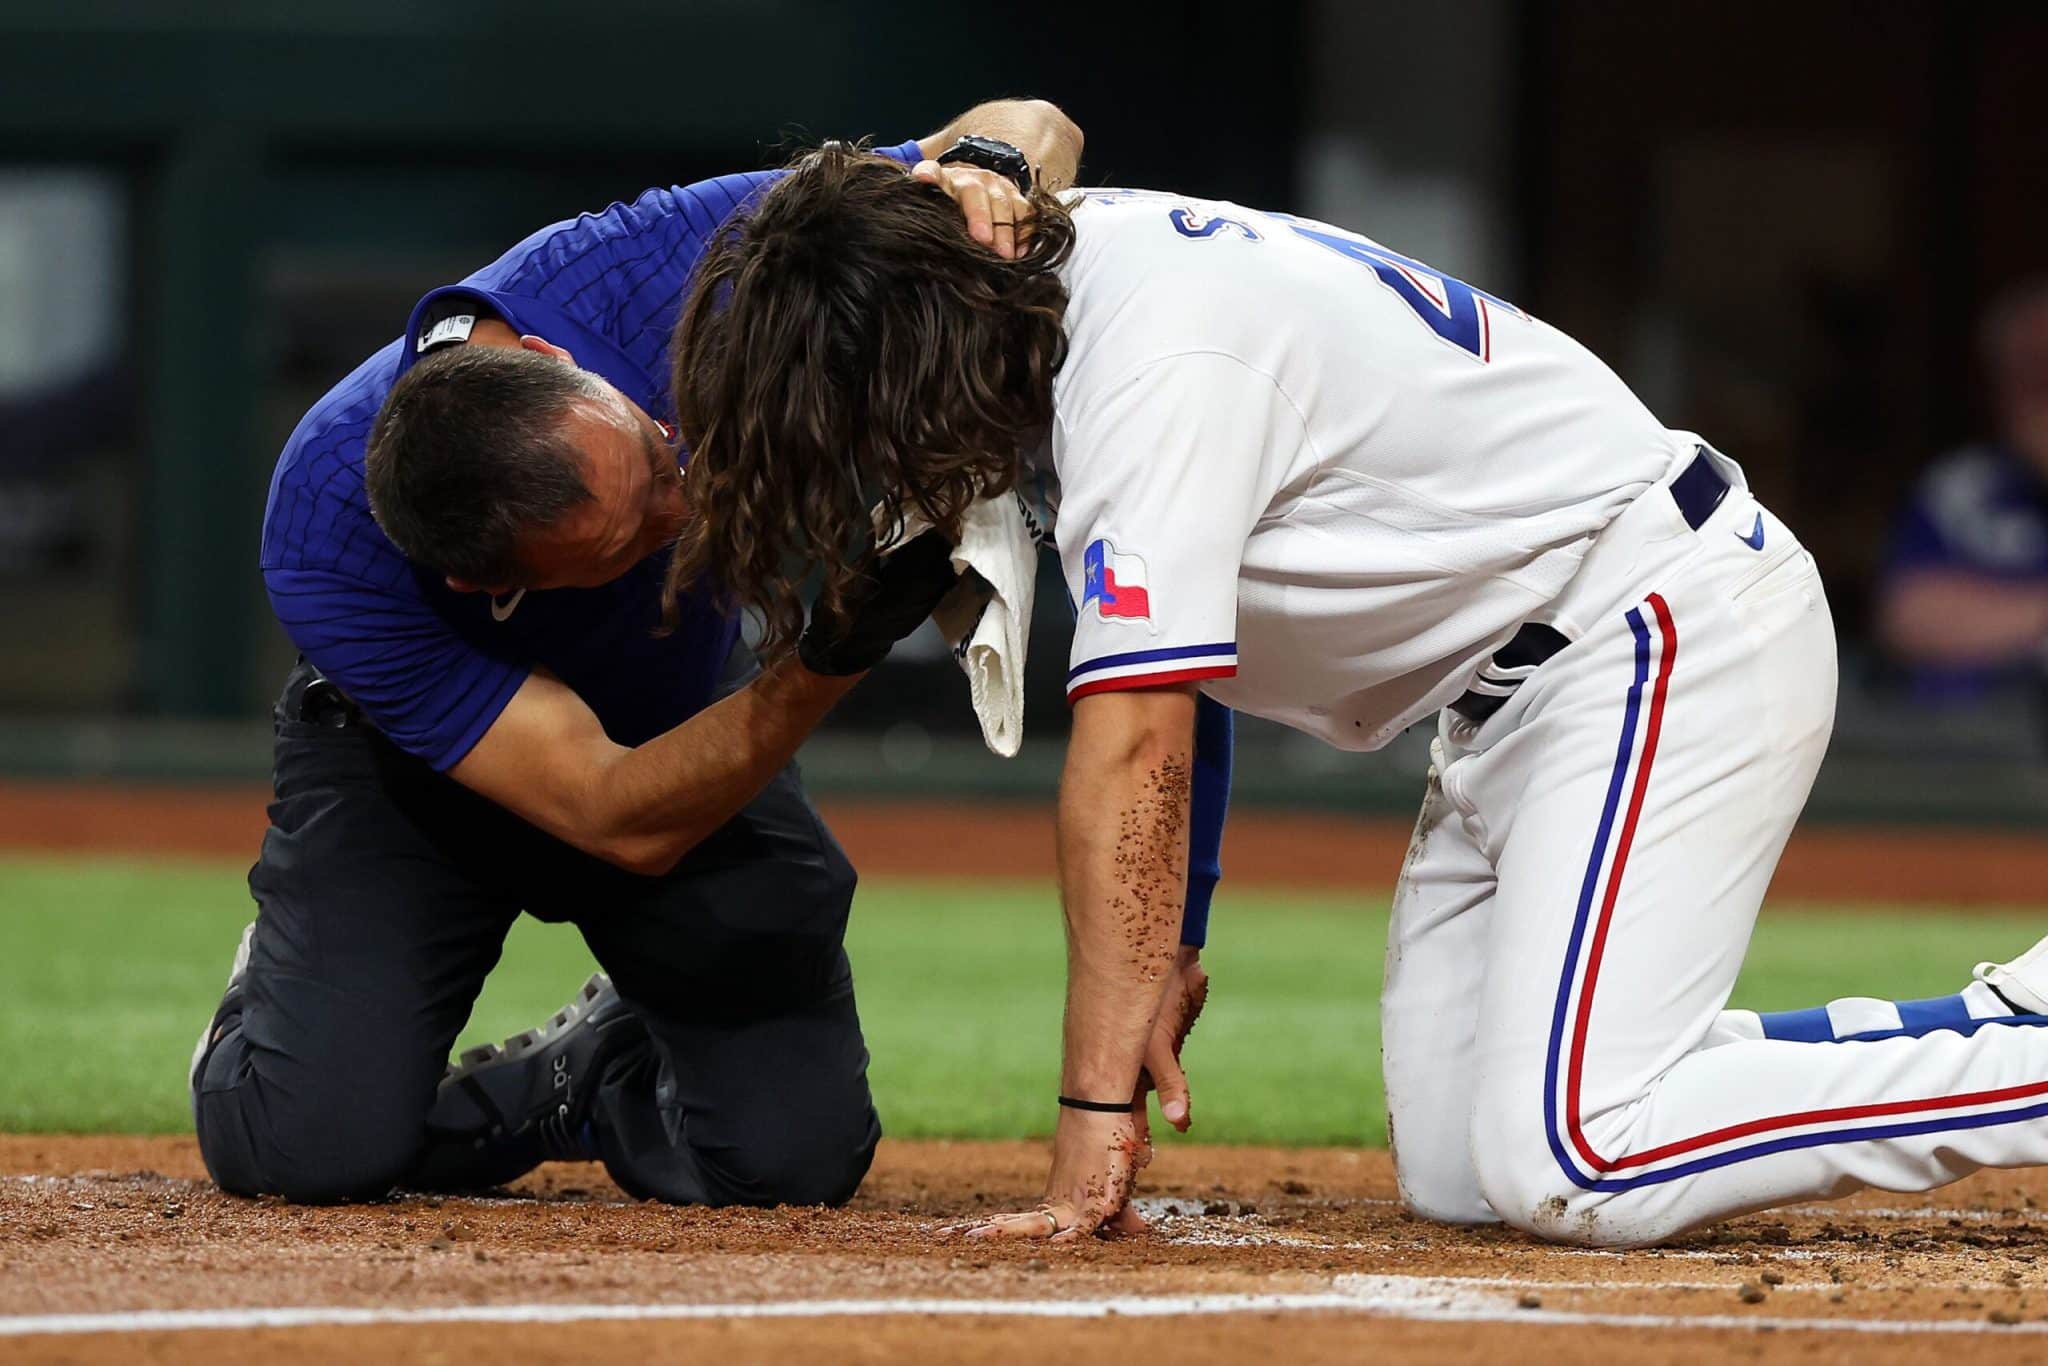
{"points": [[313, 700], [1698, 490]]}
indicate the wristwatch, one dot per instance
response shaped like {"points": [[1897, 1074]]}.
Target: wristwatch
{"points": [[990, 154]]}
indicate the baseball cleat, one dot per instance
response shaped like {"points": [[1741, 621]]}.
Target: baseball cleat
{"points": [[231, 998], [2023, 982], [503, 1109]]}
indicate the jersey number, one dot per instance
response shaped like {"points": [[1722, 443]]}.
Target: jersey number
{"points": [[1188, 223], [1451, 308]]}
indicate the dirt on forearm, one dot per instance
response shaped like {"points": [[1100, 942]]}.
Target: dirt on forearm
{"points": [[1150, 862]]}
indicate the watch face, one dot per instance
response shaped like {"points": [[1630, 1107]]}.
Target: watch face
{"points": [[991, 154]]}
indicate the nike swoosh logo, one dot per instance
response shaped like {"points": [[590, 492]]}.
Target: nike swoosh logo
{"points": [[1753, 538], [501, 610]]}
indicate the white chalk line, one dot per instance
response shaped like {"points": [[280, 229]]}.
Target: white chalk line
{"points": [[1623, 1260], [1968, 1216], [1435, 1299]]}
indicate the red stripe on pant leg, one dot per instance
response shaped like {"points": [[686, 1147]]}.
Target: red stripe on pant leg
{"points": [[1666, 655], [1752, 1127], [1762, 1126]]}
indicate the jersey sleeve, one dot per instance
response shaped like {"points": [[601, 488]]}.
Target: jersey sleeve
{"points": [[1162, 478], [622, 273], [430, 692]]}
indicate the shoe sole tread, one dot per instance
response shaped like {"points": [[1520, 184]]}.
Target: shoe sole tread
{"points": [[527, 1040]]}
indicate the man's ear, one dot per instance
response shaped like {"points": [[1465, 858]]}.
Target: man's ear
{"points": [[529, 342], [463, 585]]}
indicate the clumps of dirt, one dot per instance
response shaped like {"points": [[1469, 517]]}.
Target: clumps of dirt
{"points": [[125, 1224]]}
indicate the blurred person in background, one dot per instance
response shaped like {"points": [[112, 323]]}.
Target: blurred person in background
{"points": [[467, 539], [1964, 605]]}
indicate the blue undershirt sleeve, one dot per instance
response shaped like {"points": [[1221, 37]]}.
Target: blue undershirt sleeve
{"points": [[1208, 804]]}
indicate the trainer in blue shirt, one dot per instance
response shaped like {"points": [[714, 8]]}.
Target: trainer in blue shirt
{"points": [[465, 539]]}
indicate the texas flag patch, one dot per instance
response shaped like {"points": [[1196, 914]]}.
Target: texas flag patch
{"points": [[1115, 583]]}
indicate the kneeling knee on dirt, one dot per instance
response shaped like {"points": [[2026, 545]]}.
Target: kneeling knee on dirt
{"points": [[1528, 1183]]}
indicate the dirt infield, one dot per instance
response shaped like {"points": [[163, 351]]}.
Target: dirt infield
{"points": [[1262, 848], [1297, 1255]]}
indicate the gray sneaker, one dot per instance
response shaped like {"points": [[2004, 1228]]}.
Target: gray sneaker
{"points": [[503, 1109], [231, 999]]}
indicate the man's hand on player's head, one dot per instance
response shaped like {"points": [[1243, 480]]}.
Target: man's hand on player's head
{"points": [[998, 214]]}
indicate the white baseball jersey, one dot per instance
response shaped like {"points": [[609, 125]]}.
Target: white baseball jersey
{"points": [[1318, 476]]}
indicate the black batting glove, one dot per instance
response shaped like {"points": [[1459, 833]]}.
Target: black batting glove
{"points": [[886, 604]]}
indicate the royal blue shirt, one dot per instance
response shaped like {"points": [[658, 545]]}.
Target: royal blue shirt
{"points": [[1980, 510], [433, 668]]}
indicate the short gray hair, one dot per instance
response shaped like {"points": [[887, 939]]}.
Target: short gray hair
{"points": [[467, 455]]}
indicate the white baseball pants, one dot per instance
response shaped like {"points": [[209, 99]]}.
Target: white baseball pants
{"points": [[1577, 901]]}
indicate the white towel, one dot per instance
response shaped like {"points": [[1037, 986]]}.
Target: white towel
{"points": [[987, 618]]}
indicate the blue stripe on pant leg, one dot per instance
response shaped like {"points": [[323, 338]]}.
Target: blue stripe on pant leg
{"points": [[1919, 1018], [1811, 1025], [1940, 1012], [1623, 753], [1814, 1025], [1951, 1124]]}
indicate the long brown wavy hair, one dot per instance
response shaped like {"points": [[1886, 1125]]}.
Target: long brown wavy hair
{"points": [[848, 354]]}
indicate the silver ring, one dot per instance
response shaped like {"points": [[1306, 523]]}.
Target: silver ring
{"points": [[1054, 1218]]}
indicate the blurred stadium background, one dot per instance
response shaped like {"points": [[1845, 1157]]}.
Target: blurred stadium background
{"points": [[1779, 222], [1782, 223], [1785, 222]]}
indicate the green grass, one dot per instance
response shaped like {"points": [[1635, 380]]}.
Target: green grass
{"points": [[108, 970]]}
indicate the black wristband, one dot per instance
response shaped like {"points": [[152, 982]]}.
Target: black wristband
{"points": [[886, 603], [1100, 1107]]}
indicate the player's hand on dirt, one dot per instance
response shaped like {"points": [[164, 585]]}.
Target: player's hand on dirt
{"points": [[1186, 993], [1096, 1159], [995, 209]]}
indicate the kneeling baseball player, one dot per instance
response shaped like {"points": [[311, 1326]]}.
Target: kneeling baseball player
{"points": [[1319, 481]]}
